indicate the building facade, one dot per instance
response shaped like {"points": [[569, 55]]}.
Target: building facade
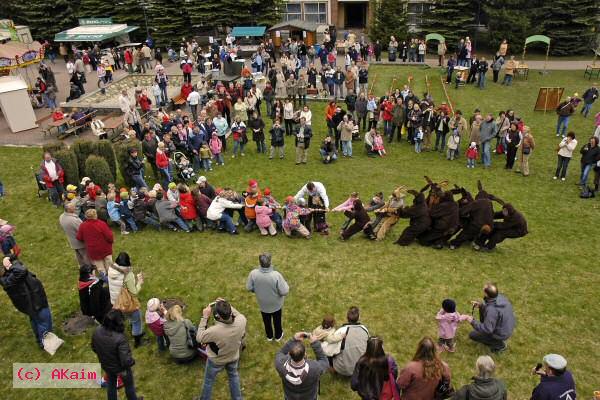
{"points": [[348, 14]]}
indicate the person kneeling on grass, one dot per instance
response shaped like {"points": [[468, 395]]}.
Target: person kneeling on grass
{"points": [[292, 221], [513, 225], [216, 212], [263, 219], [167, 215]]}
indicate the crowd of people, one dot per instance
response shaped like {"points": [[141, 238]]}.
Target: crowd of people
{"points": [[349, 350]]}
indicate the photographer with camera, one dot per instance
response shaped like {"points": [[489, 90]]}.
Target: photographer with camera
{"points": [[496, 319], [555, 381], [300, 377], [224, 340]]}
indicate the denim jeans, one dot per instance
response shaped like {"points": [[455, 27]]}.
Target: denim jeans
{"points": [[387, 128], [440, 140], [471, 162], [131, 222], [324, 154], [206, 164], [586, 109], [136, 322], [238, 145], [180, 223], [486, 156], [210, 376], [111, 390], [347, 148], [585, 172], [417, 146], [55, 192], [139, 181], [149, 221], [218, 158], [481, 81], [507, 80], [261, 147], [563, 123], [166, 175], [226, 222], [41, 323]]}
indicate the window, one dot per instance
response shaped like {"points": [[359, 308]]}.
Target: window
{"points": [[315, 12], [292, 11]]}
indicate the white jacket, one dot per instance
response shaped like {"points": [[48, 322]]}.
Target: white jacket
{"points": [[218, 205], [319, 189], [566, 150], [115, 283]]}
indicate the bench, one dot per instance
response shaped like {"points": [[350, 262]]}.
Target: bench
{"points": [[178, 100], [78, 125]]}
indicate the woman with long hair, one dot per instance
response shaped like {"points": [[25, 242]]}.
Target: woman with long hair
{"points": [[421, 376], [178, 329], [371, 377]]}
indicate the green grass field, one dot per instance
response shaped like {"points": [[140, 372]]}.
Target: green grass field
{"points": [[551, 275]]}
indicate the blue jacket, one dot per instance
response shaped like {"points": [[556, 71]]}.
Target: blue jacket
{"points": [[560, 387], [496, 318]]}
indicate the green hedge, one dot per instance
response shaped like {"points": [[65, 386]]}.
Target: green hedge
{"points": [[53, 148], [122, 153], [83, 149], [105, 150], [98, 170], [68, 160]]}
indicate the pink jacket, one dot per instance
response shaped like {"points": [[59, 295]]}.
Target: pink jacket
{"points": [[598, 119], [155, 322], [263, 219], [215, 145], [448, 323], [348, 205]]}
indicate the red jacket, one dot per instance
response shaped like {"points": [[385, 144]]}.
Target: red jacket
{"points": [[188, 208], [187, 68], [46, 177], [98, 238], [186, 90], [145, 103], [162, 161], [128, 57], [388, 107]]}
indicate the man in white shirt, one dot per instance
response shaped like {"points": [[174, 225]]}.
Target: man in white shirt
{"points": [[53, 176], [313, 189], [193, 99], [124, 101]]}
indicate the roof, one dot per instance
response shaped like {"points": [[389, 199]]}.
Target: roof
{"points": [[295, 24], [93, 33], [255, 31]]}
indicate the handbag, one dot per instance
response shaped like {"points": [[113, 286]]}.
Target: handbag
{"points": [[500, 148], [126, 302], [51, 342], [444, 389], [191, 341]]}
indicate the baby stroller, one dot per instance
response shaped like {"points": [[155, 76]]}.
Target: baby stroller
{"points": [[184, 167]]}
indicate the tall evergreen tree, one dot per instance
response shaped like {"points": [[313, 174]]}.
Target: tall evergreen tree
{"points": [[170, 21], [389, 19], [44, 18], [510, 20], [451, 19], [570, 25]]}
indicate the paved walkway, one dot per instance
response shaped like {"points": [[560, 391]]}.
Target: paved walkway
{"points": [[34, 137]]}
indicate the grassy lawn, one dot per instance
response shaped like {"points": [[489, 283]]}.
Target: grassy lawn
{"points": [[551, 275]]}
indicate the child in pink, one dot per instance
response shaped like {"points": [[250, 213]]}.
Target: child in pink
{"points": [[472, 154], [378, 144], [155, 320], [216, 148], [347, 207], [263, 219], [448, 320]]}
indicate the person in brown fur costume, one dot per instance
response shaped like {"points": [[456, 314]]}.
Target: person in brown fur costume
{"points": [[420, 221]]}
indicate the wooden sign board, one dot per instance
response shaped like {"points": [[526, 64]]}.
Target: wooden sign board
{"points": [[548, 98]]}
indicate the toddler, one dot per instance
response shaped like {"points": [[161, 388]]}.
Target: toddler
{"points": [[331, 342], [418, 139], [452, 144], [216, 148], [155, 319], [448, 320], [472, 154], [205, 156], [378, 144], [114, 212]]}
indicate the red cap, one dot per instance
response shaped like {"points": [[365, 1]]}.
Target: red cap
{"points": [[267, 192], [252, 183]]}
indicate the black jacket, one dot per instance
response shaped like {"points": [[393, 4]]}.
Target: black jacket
{"points": [[307, 136], [418, 214], [277, 136], [24, 289], [134, 166], [589, 155], [112, 349], [94, 299]]}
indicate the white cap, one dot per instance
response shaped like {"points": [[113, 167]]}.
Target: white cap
{"points": [[153, 304], [201, 179], [555, 361], [85, 180]]}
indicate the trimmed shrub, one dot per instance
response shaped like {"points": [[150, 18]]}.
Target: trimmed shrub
{"points": [[53, 148], [122, 153], [105, 150], [83, 149], [68, 160], [98, 170]]}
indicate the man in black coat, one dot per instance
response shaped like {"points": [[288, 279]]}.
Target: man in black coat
{"points": [[513, 225], [420, 221], [473, 70], [27, 295], [113, 351], [94, 297], [135, 169], [444, 222]]}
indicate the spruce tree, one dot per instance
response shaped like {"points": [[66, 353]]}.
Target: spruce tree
{"points": [[44, 18], [570, 25], [451, 19], [510, 20], [389, 19], [170, 21]]}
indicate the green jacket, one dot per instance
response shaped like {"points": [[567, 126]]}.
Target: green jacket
{"points": [[176, 331]]}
